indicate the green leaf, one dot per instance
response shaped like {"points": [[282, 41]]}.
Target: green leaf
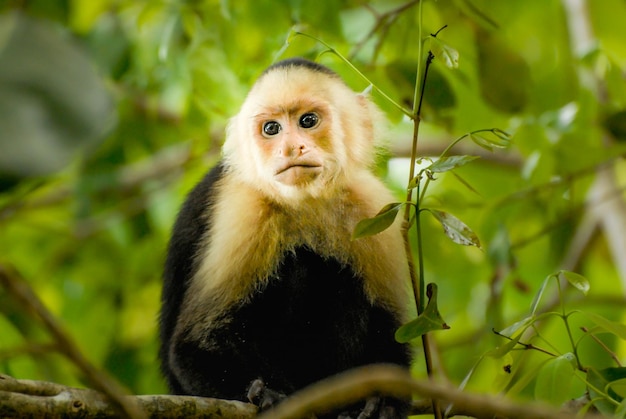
{"points": [[428, 321], [617, 329], [555, 378], [456, 229], [537, 299], [619, 387], [577, 281], [378, 223], [445, 164], [521, 326], [489, 143], [599, 388], [445, 52], [502, 350]]}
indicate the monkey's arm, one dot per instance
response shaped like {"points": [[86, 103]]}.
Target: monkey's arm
{"points": [[191, 225]]}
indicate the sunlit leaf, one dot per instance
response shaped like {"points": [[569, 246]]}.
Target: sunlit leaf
{"points": [[516, 327], [378, 223], [444, 52], [577, 281], [428, 321], [445, 164], [456, 229], [555, 378]]}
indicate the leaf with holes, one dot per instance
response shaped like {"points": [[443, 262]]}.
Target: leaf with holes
{"points": [[445, 164], [456, 229]]}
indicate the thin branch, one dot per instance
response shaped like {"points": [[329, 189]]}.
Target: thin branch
{"points": [[602, 344], [527, 346], [23, 294]]}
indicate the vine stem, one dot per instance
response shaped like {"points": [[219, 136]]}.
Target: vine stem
{"points": [[418, 280], [565, 316]]}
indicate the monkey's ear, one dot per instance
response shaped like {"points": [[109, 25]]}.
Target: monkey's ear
{"points": [[374, 119]]}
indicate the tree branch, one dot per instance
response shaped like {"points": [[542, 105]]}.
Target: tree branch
{"points": [[25, 398], [360, 383]]}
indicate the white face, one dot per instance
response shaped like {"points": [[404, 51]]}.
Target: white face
{"points": [[298, 134], [293, 144]]}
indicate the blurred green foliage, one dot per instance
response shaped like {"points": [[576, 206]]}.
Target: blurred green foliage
{"points": [[114, 126]]}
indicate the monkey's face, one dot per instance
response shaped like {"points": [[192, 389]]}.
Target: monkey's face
{"points": [[294, 143], [300, 134]]}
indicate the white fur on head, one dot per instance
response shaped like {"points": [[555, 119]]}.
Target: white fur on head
{"points": [[353, 120]]}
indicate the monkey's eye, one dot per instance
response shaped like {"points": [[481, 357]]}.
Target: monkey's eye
{"points": [[309, 120], [271, 128]]}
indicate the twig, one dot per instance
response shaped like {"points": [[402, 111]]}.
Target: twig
{"points": [[528, 346], [606, 348], [24, 295]]}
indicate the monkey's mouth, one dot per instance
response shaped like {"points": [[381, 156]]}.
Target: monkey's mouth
{"points": [[295, 173]]}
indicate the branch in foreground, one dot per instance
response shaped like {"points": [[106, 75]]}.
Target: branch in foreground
{"points": [[390, 380], [26, 398]]}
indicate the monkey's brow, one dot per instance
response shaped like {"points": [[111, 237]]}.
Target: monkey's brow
{"points": [[291, 109]]}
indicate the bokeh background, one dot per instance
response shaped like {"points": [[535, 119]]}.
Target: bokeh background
{"points": [[111, 110]]}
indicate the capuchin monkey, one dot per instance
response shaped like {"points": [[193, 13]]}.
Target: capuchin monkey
{"points": [[264, 290]]}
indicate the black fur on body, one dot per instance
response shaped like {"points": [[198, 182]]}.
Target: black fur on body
{"points": [[311, 315]]}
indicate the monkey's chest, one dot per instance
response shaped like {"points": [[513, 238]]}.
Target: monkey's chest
{"points": [[311, 305], [308, 289]]}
